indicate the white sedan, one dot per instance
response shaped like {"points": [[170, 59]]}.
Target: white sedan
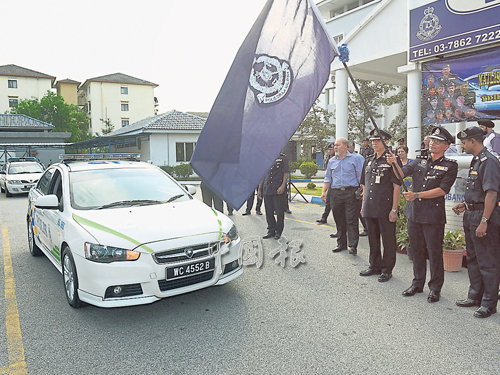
{"points": [[125, 233], [19, 175]]}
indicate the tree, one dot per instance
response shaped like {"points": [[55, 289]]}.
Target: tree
{"points": [[108, 127], [375, 95], [316, 128], [52, 108]]}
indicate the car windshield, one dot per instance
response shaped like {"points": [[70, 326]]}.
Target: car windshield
{"points": [[123, 187], [20, 168]]}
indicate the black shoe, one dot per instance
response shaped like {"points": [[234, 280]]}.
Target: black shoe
{"points": [[268, 235], [363, 233], [229, 214], [468, 302], [334, 235], [246, 213], [484, 312], [321, 221], [433, 296], [339, 249], [288, 211], [277, 236], [353, 250], [411, 291], [384, 277], [369, 272], [259, 212]]}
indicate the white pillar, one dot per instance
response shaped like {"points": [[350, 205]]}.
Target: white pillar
{"points": [[414, 120], [341, 96]]}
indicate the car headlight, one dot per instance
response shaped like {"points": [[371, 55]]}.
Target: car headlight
{"points": [[14, 182], [232, 235], [108, 254]]}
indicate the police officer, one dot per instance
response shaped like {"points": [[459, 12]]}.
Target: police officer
{"points": [[328, 208], [481, 221], [366, 150], [381, 190], [433, 178], [272, 187]]}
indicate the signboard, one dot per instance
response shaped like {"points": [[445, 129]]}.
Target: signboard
{"points": [[445, 26], [462, 88]]}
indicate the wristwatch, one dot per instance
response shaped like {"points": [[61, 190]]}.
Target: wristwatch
{"points": [[484, 220], [395, 211], [416, 195]]}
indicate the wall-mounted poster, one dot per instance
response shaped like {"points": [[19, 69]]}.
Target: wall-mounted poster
{"points": [[462, 88]]}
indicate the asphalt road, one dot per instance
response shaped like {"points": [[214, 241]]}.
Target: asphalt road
{"points": [[320, 317]]}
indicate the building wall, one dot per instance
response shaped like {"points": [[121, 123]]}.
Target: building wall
{"points": [[68, 91], [106, 100], [27, 87]]}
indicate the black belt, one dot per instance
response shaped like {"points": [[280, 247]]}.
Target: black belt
{"points": [[474, 206], [345, 188]]}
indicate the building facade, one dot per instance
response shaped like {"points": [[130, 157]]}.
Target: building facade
{"points": [[119, 98], [18, 83]]}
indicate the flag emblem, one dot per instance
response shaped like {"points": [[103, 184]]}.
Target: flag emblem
{"points": [[270, 78]]}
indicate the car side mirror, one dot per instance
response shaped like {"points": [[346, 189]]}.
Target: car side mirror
{"points": [[190, 189], [2, 172], [48, 202]]}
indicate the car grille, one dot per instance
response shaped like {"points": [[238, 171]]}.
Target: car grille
{"points": [[29, 182], [181, 254], [185, 281]]}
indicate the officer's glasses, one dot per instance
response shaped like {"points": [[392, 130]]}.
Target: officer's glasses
{"points": [[437, 141]]}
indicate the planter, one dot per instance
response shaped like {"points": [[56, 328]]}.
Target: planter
{"points": [[453, 260]]}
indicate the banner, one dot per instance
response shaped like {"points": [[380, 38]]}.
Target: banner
{"points": [[463, 88], [276, 76]]}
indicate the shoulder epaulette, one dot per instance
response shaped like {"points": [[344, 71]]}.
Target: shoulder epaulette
{"points": [[452, 160]]}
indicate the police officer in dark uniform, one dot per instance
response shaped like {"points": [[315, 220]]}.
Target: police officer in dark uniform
{"points": [[381, 190], [272, 187], [433, 178], [328, 208], [481, 220], [366, 150]]}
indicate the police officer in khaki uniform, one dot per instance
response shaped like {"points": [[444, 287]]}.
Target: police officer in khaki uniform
{"points": [[433, 178], [481, 220], [381, 190]]}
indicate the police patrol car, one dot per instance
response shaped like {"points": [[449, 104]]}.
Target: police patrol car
{"points": [[123, 232], [19, 175]]}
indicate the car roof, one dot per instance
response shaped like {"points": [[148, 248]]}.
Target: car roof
{"points": [[104, 164]]}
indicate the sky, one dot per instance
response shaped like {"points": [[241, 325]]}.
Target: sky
{"points": [[184, 46]]}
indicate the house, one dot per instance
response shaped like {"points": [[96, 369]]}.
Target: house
{"points": [[68, 89], [117, 97], [18, 83], [21, 135], [166, 139]]}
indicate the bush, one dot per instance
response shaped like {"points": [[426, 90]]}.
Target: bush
{"points": [[309, 169], [183, 171], [294, 165], [311, 186], [169, 169]]}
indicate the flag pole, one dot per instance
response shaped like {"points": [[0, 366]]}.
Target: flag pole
{"points": [[336, 49]]}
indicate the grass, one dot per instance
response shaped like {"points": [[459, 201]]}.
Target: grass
{"points": [[317, 191]]}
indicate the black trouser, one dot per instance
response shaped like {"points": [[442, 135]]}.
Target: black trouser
{"points": [[250, 203], [328, 206], [483, 258], [346, 208], [377, 227], [275, 203], [430, 235], [208, 196]]}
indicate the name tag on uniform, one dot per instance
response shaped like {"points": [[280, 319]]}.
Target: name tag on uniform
{"points": [[384, 166], [377, 180], [440, 168], [473, 172]]}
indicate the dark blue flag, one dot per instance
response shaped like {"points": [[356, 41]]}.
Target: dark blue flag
{"points": [[277, 74]]}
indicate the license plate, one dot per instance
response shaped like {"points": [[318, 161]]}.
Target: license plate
{"points": [[190, 269]]}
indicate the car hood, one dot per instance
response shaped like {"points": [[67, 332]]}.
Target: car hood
{"points": [[145, 226], [30, 177]]}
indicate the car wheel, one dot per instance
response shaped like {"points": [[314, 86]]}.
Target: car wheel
{"points": [[34, 249], [2, 189], [70, 279], [7, 194]]}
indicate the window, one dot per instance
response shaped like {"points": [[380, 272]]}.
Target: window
{"points": [[13, 102], [352, 5], [184, 151], [124, 106], [88, 90], [331, 96], [336, 12], [90, 107], [124, 90], [12, 84], [338, 38], [43, 183], [125, 122], [367, 1]]}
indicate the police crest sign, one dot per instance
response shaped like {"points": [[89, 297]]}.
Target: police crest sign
{"points": [[270, 78]]}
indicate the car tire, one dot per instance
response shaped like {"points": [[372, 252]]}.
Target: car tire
{"points": [[2, 189], [70, 279], [34, 249], [7, 193]]}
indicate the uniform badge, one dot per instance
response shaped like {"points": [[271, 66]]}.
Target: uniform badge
{"points": [[423, 162], [437, 131], [463, 134], [484, 158], [429, 26], [473, 172]]}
